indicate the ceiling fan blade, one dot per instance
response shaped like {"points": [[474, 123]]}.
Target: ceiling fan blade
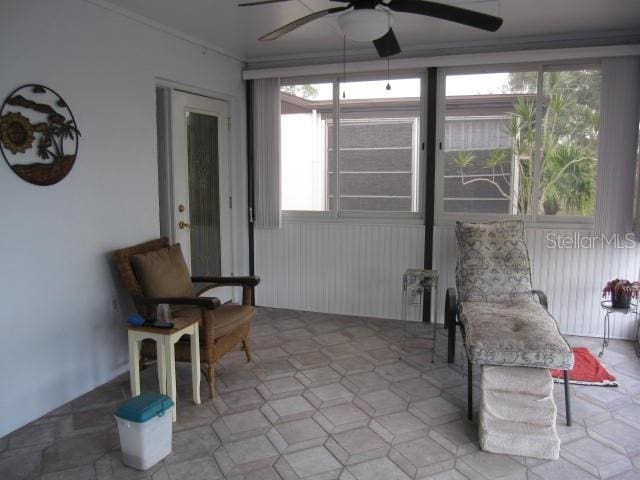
{"points": [[261, 2], [289, 27], [387, 44], [447, 12]]}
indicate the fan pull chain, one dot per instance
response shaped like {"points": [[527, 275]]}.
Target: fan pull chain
{"points": [[388, 87], [344, 64], [388, 58]]}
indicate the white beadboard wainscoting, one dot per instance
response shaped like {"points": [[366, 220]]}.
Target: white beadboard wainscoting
{"points": [[571, 278], [356, 269], [346, 268]]}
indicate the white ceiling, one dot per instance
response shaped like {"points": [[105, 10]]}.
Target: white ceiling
{"points": [[235, 30]]}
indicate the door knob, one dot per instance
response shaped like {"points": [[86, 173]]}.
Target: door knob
{"points": [[182, 225]]}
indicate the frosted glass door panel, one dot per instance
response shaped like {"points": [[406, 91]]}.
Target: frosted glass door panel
{"points": [[204, 193]]}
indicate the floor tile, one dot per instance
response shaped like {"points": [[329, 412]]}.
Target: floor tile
{"points": [[269, 353], [618, 435], [357, 332], [314, 377], [110, 467], [272, 369], [560, 470], [435, 411], [329, 388], [398, 371], [398, 427], [310, 360], [241, 425], [378, 469], [380, 402], [280, 388], [489, 466], [33, 435], [356, 446], [328, 395], [328, 339], [383, 356], [245, 455], [237, 401], [19, 467], [361, 383], [605, 397], [341, 418], [341, 350], [354, 364], [421, 457], [287, 409], [198, 469], [309, 464], [444, 377], [415, 389], [459, 437], [297, 435], [596, 458], [78, 450], [85, 472], [305, 345], [371, 343], [267, 473]]}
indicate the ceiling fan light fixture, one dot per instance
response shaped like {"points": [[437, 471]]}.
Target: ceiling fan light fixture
{"points": [[364, 24]]}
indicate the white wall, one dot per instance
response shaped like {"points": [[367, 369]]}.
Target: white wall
{"points": [[572, 278], [346, 268], [356, 269], [59, 336]]}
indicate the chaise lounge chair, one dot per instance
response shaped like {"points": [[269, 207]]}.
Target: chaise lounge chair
{"points": [[502, 320]]}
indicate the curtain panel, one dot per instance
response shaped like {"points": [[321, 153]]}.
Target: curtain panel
{"points": [[266, 147], [618, 143]]}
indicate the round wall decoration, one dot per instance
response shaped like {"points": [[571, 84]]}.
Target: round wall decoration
{"points": [[38, 134]]}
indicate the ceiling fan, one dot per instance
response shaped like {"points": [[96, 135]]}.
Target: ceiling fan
{"points": [[370, 20]]}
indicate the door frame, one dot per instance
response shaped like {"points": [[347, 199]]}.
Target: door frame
{"points": [[167, 213]]}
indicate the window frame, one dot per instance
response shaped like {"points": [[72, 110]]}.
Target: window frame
{"points": [[417, 184], [534, 219]]}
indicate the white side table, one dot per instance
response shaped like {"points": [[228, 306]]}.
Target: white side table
{"points": [[165, 341]]}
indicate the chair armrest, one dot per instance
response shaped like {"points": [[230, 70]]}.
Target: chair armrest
{"points": [[542, 298], [246, 281], [450, 307], [450, 321], [209, 303]]}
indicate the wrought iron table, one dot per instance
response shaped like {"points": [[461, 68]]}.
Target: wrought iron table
{"points": [[415, 282], [609, 309]]}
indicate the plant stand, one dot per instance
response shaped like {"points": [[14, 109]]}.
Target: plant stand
{"points": [[415, 283], [609, 309]]}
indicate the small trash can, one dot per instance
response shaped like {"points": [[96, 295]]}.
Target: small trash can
{"points": [[144, 425]]}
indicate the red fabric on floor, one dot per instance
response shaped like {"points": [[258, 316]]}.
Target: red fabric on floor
{"points": [[586, 368]]}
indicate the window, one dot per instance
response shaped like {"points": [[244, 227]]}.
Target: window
{"points": [[371, 165], [305, 111], [522, 142]]}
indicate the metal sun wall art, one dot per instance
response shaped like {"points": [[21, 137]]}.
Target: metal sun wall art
{"points": [[38, 134]]}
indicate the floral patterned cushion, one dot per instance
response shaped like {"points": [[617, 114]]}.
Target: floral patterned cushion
{"points": [[514, 334], [493, 262]]}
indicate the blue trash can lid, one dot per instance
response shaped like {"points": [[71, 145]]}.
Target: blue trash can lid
{"points": [[144, 407]]}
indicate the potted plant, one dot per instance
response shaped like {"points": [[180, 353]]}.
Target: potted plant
{"points": [[621, 292]]}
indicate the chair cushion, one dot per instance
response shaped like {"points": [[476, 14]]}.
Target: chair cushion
{"points": [[163, 273], [515, 334], [226, 318], [493, 262]]}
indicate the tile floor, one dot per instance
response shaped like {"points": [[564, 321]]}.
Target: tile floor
{"points": [[326, 397]]}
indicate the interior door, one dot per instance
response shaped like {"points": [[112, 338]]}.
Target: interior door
{"points": [[200, 183]]}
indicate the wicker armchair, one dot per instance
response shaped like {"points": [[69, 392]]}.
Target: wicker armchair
{"points": [[222, 327]]}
